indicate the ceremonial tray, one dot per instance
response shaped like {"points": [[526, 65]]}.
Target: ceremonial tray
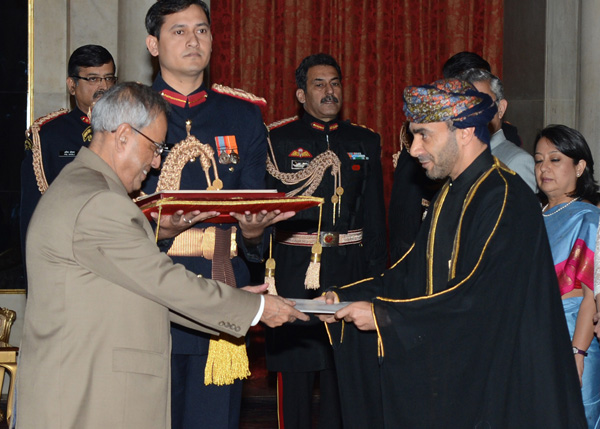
{"points": [[224, 202]]}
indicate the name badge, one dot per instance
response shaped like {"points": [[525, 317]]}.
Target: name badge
{"points": [[67, 153]]}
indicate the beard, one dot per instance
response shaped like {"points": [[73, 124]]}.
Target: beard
{"points": [[445, 159]]}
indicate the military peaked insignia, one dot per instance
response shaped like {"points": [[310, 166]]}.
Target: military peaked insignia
{"points": [[239, 93]]}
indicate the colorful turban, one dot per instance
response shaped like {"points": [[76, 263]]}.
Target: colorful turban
{"points": [[450, 100]]}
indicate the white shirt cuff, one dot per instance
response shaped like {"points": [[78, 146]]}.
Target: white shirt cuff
{"points": [[260, 312]]}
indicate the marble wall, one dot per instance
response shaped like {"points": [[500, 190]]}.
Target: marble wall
{"points": [[61, 26], [550, 67]]}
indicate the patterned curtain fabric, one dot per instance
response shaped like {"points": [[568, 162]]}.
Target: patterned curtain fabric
{"points": [[381, 45]]}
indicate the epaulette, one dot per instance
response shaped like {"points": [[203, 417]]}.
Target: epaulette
{"points": [[43, 120], [33, 139], [239, 93], [281, 122], [362, 126]]}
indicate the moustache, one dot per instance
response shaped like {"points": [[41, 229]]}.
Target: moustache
{"points": [[98, 94], [329, 99]]}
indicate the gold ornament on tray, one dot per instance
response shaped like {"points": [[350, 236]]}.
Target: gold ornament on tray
{"points": [[187, 150]]}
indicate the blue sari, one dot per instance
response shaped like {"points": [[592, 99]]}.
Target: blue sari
{"points": [[572, 230]]}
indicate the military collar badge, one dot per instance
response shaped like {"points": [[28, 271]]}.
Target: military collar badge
{"points": [[179, 100], [330, 126]]}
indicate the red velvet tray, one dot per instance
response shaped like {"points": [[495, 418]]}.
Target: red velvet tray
{"points": [[224, 202]]}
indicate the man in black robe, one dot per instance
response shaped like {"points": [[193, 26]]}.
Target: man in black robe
{"points": [[470, 323]]}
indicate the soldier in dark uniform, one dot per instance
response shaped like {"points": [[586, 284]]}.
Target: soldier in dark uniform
{"points": [[230, 122], [54, 140], [342, 161]]}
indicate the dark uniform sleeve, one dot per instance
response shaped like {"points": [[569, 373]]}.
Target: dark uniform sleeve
{"points": [[374, 238], [253, 177]]}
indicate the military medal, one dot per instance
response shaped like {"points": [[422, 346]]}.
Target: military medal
{"points": [[224, 158], [227, 150]]}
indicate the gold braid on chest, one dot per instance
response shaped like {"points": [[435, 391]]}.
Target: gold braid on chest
{"points": [[311, 175]]}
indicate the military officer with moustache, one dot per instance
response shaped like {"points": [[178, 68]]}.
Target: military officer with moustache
{"points": [[318, 154], [54, 139]]}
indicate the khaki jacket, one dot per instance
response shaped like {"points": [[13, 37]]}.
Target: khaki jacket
{"points": [[96, 345]]}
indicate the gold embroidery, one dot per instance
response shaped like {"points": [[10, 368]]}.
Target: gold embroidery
{"points": [[492, 233], [431, 239]]}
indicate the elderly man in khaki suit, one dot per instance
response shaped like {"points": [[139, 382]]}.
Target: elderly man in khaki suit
{"points": [[96, 345]]}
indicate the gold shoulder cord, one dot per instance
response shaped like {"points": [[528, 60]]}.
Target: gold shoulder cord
{"points": [[239, 93], [185, 151], [36, 148], [311, 175]]}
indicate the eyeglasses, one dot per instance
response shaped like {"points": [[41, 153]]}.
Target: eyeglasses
{"points": [[97, 79], [160, 147]]}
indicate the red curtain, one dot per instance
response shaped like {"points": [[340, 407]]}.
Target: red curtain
{"points": [[381, 45]]}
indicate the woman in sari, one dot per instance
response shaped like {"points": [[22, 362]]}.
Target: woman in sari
{"points": [[564, 171]]}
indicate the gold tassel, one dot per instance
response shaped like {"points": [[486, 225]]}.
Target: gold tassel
{"points": [[270, 270], [314, 268], [227, 360], [313, 272]]}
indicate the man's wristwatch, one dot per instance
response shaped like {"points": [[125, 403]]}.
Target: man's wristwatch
{"points": [[577, 351]]}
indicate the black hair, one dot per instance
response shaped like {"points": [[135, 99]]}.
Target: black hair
{"points": [[462, 62], [155, 17], [88, 56], [571, 143], [311, 61]]}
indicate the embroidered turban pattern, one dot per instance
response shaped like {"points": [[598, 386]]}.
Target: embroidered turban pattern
{"points": [[450, 100]]}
